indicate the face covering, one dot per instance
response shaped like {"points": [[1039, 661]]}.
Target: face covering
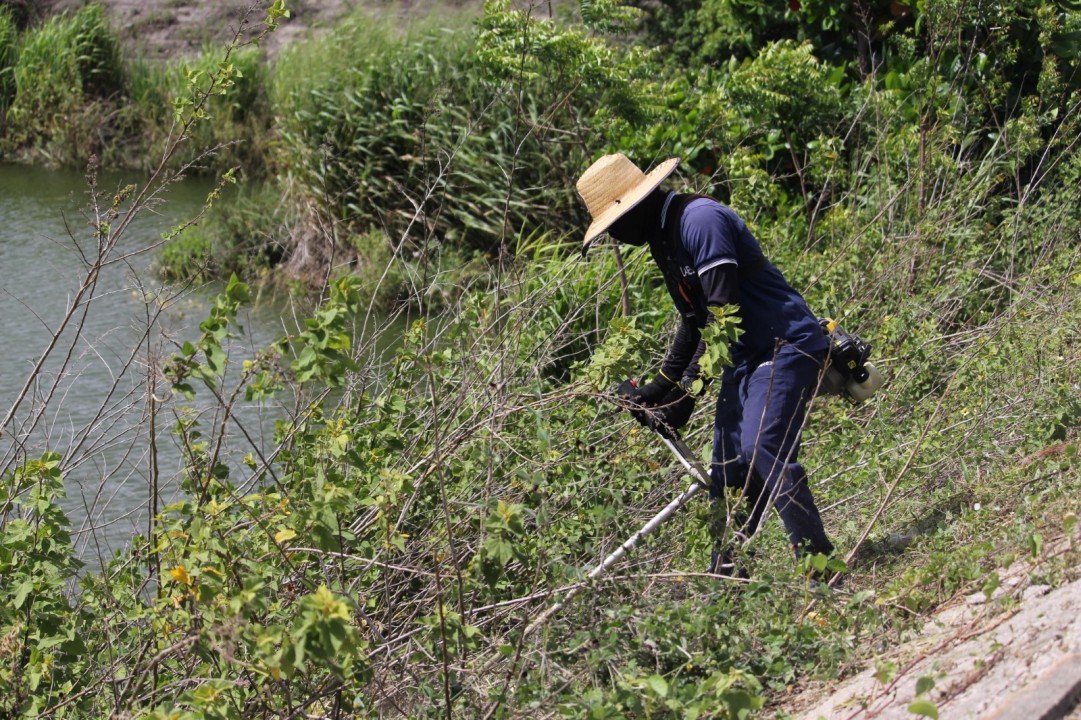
{"points": [[630, 229]]}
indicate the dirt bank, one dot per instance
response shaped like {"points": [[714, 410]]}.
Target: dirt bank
{"points": [[161, 29]]}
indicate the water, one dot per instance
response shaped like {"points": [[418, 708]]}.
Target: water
{"points": [[97, 416]]}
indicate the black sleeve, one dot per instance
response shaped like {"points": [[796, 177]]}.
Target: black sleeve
{"points": [[684, 348], [721, 285]]}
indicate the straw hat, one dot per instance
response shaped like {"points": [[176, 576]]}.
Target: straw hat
{"points": [[612, 186]]}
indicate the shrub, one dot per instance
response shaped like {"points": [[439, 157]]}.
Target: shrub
{"points": [[400, 133], [188, 256], [238, 235], [41, 633], [235, 132], [66, 67]]}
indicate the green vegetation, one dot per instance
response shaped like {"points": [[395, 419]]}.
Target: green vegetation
{"points": [[8, 39], [64, 72], [72, 95], [385, 553], [238, 129]]}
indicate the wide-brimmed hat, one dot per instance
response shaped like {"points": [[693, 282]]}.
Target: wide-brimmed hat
{"points": [[613, 185]]}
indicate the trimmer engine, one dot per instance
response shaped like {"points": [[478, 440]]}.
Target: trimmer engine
{"points": [[847, 368], [848, 353]]}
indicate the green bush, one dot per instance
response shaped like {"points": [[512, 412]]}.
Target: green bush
{"points": [[186, 257], [236, 129], [75, 95], [240, 234], [66, 69], [41, 633], [400, 133]]}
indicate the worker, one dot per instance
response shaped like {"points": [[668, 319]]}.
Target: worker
{"points": [[709, 258]]}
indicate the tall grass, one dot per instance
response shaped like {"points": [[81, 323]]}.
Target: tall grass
{"points": [[237, 132], [9, 53], [66, 69], [376, 125], [72, 94]]}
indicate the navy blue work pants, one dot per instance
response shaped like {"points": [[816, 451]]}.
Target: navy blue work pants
{"points": [[756, 436]]}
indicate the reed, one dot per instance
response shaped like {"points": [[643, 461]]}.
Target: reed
{"points": [[9, 53], [67, 68]]}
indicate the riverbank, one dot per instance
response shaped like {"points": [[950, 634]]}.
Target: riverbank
{"points": [[410, 517], [84, 87]]}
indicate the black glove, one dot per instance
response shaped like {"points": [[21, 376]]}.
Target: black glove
{"points": [[673, 412], [648, 394], [629, 391], [662, 405]]}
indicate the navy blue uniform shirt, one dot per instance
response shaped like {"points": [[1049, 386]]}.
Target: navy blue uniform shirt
{"points": [[732, 269]]}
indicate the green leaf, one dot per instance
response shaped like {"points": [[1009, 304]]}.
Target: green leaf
{"points": [[885, 671], [185, 389], [924, 708], [21, 591], [215, 358], [924, 684], [658, 685], [740, 704], [237, 291]]}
